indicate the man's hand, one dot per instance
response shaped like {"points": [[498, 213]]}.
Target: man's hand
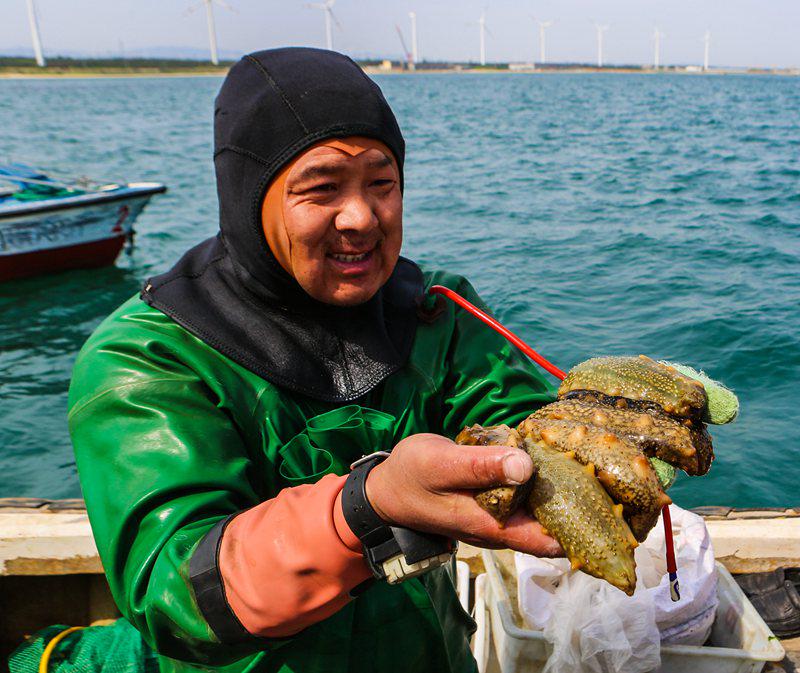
{"points": [[428, 483]]}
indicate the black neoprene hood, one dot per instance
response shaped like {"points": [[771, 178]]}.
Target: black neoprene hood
{"points": [[231, 292], [273, 105]]}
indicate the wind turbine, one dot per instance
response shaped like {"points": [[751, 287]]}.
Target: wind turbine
{"points": [[414, 48], [707, 41], [212, 30], [600, 31], [330, 18], [482, 24], [543, 25], [37, 43], [657, 35]]}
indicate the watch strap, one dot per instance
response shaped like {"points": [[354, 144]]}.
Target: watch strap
{"points": [[373, 532], [393, 553], [359, 514]]}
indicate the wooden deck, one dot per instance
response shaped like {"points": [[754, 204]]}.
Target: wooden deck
{"points": [[50, 571]]}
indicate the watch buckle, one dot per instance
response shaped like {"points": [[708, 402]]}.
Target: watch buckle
{"points": [[370, 456]]}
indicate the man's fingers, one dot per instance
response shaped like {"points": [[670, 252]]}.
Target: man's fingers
{"points": [[522, 533], [475, 467]]}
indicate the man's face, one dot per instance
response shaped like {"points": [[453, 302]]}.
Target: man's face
{"points": [[343, 216]]}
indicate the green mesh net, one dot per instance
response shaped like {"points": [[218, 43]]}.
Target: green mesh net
{"points": [[665, 472], [114, 648], [40, 193]]}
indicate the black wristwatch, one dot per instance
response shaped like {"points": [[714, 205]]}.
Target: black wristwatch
{"points": [[393, 553]]}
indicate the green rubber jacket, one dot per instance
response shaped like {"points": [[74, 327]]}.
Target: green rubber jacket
{"points": [[171, 436]]}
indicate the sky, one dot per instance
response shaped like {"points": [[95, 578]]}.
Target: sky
{"points": [[763, 33]]}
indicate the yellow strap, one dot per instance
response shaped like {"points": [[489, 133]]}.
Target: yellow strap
{"points": [[45, 660]]}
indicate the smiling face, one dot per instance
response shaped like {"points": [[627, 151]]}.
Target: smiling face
{"points": [[343, 213]]}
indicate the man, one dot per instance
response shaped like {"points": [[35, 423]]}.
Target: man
{"points": [[215, 417]]}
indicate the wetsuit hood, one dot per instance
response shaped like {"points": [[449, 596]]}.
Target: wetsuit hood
{"points": [[231, 292]]}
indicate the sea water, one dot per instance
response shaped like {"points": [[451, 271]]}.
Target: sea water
{"points": [[596, 214]]}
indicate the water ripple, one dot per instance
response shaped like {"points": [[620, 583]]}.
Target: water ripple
{"points": [[614, 214]]}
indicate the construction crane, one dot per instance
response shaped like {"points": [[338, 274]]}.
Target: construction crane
{"points": [[409, 57]]}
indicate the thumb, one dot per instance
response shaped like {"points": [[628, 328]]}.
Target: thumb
{"points": [[474, 467]]}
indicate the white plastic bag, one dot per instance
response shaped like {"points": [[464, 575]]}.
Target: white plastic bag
{"points": [[697, 576], [594, 627]]}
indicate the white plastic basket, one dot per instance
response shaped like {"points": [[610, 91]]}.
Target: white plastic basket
{"points": [[481, 639], [462, 584], [740, 641]]}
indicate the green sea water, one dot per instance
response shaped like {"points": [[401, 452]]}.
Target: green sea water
{"points": [[596, 214]]}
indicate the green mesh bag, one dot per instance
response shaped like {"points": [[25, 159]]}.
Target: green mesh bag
{"points": [[40, 193], [114, 648]]}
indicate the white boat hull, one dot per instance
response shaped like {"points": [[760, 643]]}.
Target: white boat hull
{"points": [[77, 232]]}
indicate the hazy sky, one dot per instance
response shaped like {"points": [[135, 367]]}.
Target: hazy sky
{"points": [[744, 32]]}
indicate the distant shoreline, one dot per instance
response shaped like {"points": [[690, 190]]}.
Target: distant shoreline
{"points": [[13, 67], [122, 74], [60, 68], [100, 74], [582, 70]]}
